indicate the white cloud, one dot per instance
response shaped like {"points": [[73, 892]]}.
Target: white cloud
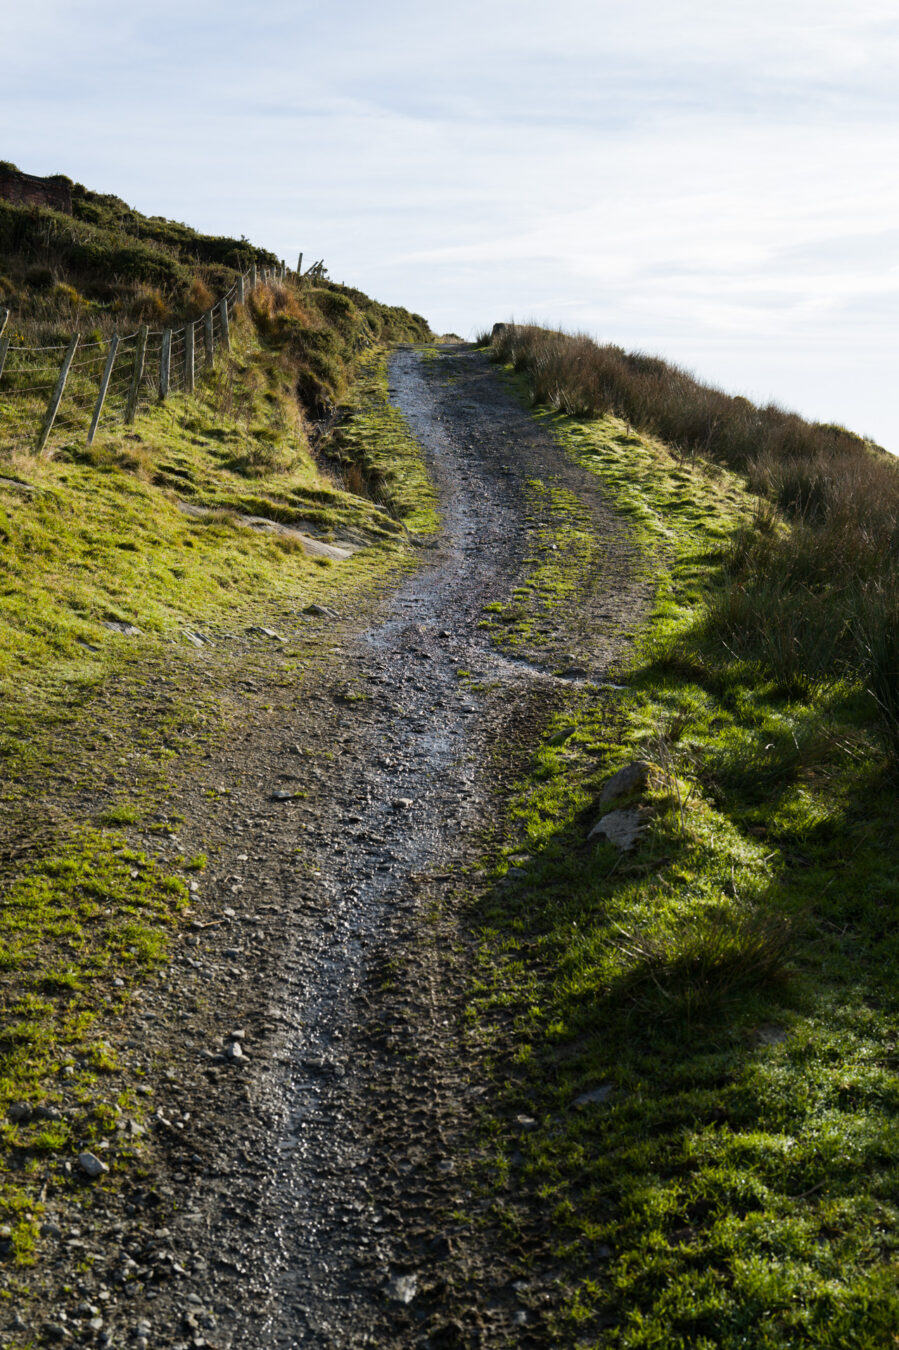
{"points": [[714, 181]]}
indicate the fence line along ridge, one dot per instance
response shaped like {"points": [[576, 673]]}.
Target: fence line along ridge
{"points": [[129, 370]]}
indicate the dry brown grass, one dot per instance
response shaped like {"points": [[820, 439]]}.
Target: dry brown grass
{"points": [[812, 602]]}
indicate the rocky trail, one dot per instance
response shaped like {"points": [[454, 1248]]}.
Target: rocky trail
{"points": [[312, 1133]]}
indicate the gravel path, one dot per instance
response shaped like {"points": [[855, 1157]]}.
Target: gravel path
{"points": [[305, 1172]]}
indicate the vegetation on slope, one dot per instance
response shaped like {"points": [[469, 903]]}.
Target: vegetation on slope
{"points": [[133, 566], [809, 588], [702, 1031]]}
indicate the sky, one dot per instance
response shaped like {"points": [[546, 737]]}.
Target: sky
{"points": [[713, 183]]}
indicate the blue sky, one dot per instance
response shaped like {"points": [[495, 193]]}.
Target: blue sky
{"points": [[717, 184]]}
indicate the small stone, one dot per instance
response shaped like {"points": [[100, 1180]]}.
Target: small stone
{"points": [[19, 1113], [115, 626], [321, 611], [234, 1051], [96, 1324], [91, 1165], [48, 1112], [402, 803], [280, 795], [632, 778], [526, 1123], [54, 1331], [596, 1097], [50, 1230], [621, 828], [403, 1288], [259, 631]]}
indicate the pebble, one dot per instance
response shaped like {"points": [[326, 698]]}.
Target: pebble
{"points": [[403, 1288], [402, 803], [234, 1051], [91, 1165], [596, 1097]]}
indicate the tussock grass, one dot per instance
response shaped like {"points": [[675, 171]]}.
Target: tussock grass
{"points": [[809, 582]]}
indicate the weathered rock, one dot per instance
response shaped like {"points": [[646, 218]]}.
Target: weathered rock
{"points": [[258, 631], [19, 1113], [632, 778], [403, 1288], [115, 626], [596, 1097], [91, 1165], [621, 828]]}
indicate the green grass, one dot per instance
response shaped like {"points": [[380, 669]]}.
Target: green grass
{"points": [[98, 537], [82, 925], [564, 555], [377, 452], [100, 727], [731, 982]]}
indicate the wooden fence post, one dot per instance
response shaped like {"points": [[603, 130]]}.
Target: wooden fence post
{"points": [[56, 397], [189, 357], [104, 385], [300, 265], [254, 277], [226, 331], [165, 365], [4, 341], [241, 292], [208, 337], [283, 270], [137, 374]]}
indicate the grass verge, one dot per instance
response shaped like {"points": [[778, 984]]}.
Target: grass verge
{"points": [[694, 1043], [136, 641]]}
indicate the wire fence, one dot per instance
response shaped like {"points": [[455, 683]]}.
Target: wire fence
{"points": [[72, 387]]}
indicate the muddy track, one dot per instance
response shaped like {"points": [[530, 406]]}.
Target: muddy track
{"points": [[308, 1182]]}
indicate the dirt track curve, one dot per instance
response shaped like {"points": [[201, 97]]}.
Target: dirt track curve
{"points": [[308, 1182]]}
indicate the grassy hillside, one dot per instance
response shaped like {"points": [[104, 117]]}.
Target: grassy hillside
{"points": [[122, 567], [704, 1030]]}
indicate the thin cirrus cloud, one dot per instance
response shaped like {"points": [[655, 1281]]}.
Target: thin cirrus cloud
{"points": [[714, 182]]}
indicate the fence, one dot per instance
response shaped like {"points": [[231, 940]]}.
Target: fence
{"points": [[114, 380]]}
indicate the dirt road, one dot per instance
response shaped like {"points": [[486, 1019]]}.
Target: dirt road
{"points": [[312, 1157]]}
